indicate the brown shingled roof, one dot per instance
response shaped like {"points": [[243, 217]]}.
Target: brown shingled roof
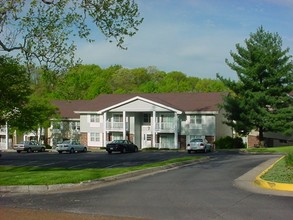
{"points": [[66, 108], [181, 101]]}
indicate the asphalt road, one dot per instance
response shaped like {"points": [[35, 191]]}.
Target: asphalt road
{"points": [[201, 191], [88, 160]]}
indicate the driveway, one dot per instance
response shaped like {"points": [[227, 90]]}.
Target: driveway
{"points": [[200, 191]]}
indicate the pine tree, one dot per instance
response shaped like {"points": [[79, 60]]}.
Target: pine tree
{"points": [[260, 99]]}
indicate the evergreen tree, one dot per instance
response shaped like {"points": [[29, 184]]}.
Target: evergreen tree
{"points": [[260, 100]]}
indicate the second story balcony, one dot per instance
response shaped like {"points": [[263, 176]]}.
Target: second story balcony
{"points": [[117, 126], [166, 127]]}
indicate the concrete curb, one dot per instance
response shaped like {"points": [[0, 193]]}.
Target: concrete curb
{"points": [[247, 180], [91, 184], [272, 185]]}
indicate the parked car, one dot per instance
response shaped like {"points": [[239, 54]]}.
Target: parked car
{"points": [[199, 144], [70, 146], [121, 146], [29, 146]]}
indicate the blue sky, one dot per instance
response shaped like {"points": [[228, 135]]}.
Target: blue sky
{"points": [[193, 36]]}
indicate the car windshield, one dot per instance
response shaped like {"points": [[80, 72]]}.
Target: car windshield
{"points": [[196, 140]]}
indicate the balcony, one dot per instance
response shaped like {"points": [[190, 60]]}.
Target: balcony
{"points": [[116, 126], [166, 127]]}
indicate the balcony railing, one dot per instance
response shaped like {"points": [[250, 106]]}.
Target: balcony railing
{"points": [[117, 126], [166, 126]]}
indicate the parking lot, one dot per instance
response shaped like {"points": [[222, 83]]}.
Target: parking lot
{"points": [[88, 160]]}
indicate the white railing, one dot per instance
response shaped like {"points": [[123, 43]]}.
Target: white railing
{"points": [[165, 126], [195, 126], [116, 126]]}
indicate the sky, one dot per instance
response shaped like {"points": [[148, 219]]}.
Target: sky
{"points": [[193, 36]]}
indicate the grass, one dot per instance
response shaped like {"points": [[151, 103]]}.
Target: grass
{"points": [[286, 149], [281, 172], [11, 175]]}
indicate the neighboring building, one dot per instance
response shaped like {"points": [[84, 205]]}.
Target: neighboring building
{"points": [[167, 120]]}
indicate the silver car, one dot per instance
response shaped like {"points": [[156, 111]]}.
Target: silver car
{"points": [[199, 144], [29, 146], [70, 146]]}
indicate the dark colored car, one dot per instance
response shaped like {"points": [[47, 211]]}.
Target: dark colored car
{"points": [[121, 146]]}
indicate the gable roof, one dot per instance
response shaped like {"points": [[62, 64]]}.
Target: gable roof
{"points": [[66, 108], [185, 102]]}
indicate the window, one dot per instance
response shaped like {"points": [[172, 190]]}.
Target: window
{"points": [[94, 118], [147, 118], [94, 137], [198, 119], [117, 117], [195, 119], [75, 126]]}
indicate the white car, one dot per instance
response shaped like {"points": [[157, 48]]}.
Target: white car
{"points": [[199, 144], [29, 146], [70, 146]]}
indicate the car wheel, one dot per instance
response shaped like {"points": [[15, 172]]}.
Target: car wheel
{"points": [[135, 149], [18, 151], [109, 152], [84, 149], [71, 151], [60, 151], [42, 149], [123, 150], [189, 151], [29, 150], [205, 150]]}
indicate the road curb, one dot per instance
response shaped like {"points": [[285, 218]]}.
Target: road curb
{"points": [[272, 185], [90, 184]]}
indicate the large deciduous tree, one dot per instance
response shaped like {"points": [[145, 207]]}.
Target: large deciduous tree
{"points": [[14, 88], [260, 100], [43, 31]]}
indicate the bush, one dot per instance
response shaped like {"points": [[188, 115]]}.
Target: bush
{"points": [[229, 143], [289, 159]]}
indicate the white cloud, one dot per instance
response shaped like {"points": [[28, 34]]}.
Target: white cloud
{"points": [[184, 37]]}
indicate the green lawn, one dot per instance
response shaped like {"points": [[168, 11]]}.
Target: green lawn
{"points": [[10, 175], [281, 172], [286, 149]]}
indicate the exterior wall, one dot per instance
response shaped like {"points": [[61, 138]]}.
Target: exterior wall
{"points": [[206, 128], [270, 139], [252, 141], [83, 138], [222, 129], [62, 130]]}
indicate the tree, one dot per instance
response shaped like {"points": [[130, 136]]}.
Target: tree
{"points": [[260, 100], [14, 88], [35, 116], [43, 31]]}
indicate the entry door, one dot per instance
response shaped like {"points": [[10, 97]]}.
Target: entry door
{"points": [[146, 136]]}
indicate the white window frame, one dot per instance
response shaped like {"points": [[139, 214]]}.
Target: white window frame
{"points": [[95, 137], [94, 118]]}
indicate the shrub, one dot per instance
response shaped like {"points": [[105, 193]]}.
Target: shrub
{"points": [[229, 143], [289, 159]]}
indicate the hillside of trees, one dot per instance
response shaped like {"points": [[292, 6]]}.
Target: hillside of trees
{"points": [[88, 81]]}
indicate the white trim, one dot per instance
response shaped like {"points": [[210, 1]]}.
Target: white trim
{"points": [[128, 101], [202, 112]]}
